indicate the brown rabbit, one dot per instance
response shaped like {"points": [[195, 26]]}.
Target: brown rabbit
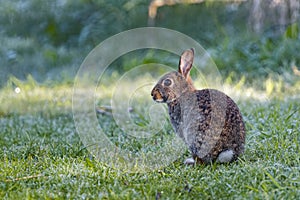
{"points": [[208, 121]]}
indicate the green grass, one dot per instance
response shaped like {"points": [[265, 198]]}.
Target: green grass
{"points": [[42, 156]]}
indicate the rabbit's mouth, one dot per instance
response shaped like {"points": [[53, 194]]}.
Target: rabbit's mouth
{"points": [[158, 96]]}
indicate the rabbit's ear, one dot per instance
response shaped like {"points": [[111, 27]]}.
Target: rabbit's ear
{"points": [[186, 62]]}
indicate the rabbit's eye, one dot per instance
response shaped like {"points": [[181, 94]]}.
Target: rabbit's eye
{"points": [[167, 82]]}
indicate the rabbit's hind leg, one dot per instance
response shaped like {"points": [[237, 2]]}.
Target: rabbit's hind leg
{"points": [[193, 161], [189, 161]]}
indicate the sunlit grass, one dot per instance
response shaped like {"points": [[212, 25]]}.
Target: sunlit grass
{"points": [[42, 155], [29, 97]]}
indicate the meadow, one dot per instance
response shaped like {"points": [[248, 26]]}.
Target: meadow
{"points": [[43, 155]]}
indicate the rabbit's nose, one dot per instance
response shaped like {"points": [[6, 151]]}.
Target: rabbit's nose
{"points": [[154, 90], [154, 94]]}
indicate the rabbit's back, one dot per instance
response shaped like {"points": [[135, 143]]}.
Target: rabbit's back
{"points": [[209, 122]]}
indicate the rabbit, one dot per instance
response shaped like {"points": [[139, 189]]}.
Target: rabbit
{"points": [[209, 122]]}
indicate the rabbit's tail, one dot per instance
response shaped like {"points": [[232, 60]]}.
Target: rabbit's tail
{"points": [[225, 156]]}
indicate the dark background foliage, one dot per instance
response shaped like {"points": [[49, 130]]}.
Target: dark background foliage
{"points": [[49, 39]]}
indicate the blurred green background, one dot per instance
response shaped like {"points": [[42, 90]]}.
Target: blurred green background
{"points": [[48, 40]]}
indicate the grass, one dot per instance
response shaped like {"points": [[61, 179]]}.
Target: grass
{"points": [[42, 156]]}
